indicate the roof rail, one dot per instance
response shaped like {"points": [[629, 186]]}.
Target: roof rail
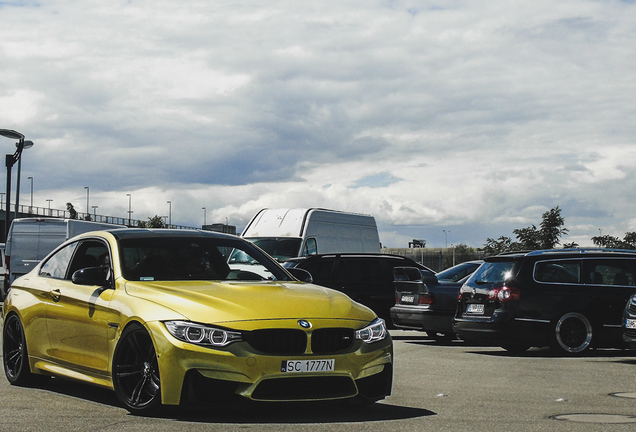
{"points": [[581, 251]]}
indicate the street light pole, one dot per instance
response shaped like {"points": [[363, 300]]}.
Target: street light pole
{"points": [[87, 206], [204, 216], [49, 201], [95, 213], [170, 214], [129, 208], [31, 206], [10, 160]]}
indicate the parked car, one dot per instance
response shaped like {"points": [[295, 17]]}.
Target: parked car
{"points": [[31, 239], [428, 304], [629, 322], [159, 317], [366, 278], [568, 299]]}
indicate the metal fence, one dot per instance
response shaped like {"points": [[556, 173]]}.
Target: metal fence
{"points": [[436, 259], [32, 211]]}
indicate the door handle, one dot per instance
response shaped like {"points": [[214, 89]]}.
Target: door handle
{"points": [[56, 294]]}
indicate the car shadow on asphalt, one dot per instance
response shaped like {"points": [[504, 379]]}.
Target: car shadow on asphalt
{"points": [[296, 413], [547, 353], [247, 412]]}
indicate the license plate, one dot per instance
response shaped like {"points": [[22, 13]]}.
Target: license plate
{"points": [[303, 366], [477, 309], [407, 298], [630, 323]]}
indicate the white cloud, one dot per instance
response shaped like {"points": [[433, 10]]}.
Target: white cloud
{"points": [[430, 115]]}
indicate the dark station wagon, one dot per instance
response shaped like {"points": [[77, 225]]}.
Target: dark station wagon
{"points": [[365, 277], [567, 299]]}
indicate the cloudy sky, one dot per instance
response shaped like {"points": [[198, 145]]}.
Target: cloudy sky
{"points": [[448, 120]]}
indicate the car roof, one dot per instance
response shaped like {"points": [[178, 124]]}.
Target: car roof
{"points": [[593, 252], [140, 233], [349, 255]]}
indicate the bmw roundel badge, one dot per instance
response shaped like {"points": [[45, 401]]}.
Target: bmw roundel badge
{"points": [[304, 324]]}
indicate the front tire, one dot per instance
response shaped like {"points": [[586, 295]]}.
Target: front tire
{"points": [[15, 356], [136, 371], [572, 334]]}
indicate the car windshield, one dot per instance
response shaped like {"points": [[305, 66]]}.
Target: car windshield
{"points": [[278, 248], [191, 258], [494, 272]]}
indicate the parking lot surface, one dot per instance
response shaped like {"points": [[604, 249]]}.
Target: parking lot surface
{"points": [[453, 387]]}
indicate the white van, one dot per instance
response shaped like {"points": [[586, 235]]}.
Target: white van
{"points": [[287, 233], [31, 239]]}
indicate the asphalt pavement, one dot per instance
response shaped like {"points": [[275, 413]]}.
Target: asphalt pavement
{"points": [[453, 387]]}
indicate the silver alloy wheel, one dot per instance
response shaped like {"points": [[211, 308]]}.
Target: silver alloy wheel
{"points": [[573, 333]]}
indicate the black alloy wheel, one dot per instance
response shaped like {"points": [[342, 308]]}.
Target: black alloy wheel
{"points": [[136, 371], [572, 334], [15, 357]]}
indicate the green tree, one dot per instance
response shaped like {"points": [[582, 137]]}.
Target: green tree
{"points": [[611, 242], [153, 222], [495, 247], [547, 236]]}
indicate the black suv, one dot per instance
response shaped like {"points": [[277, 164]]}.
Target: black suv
{"points": [[568, 299], [366, 278]]}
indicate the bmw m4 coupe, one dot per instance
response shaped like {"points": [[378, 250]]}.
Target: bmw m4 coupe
{"points": [[161, 318]]}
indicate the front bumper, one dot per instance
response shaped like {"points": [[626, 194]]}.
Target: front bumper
{"points": [[188, 370]]}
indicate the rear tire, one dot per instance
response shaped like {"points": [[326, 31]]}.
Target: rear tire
{"points": [[15, 356], [571, 334]]}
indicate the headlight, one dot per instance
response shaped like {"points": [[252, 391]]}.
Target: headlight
{"points": [[376, 331], [200, 334]]}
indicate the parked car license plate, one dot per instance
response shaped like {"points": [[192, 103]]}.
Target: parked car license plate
{"points": [[407, 298], [477, 309], [630, 323], [302, 366]]}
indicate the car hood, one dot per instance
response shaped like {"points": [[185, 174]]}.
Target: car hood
{"points": [[227, 302]]}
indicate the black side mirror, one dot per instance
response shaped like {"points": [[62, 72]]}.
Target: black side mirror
{"points": [[301, 275], [92, 276]]}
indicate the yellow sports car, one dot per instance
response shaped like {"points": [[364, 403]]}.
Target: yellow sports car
{"points": [[161, 317]]}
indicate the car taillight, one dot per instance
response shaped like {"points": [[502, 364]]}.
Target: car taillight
{"points": [[504, 294], [426, 299]]}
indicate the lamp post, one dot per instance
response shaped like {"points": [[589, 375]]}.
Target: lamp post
{"points": [[95, 213], [87, 206], [446, 236], [170, 214], [31, 206], [204, 216], [129, 208], [10, 160], [49, 201]]}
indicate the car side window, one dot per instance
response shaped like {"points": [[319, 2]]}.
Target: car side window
{"points": [[310, 247], [57, 264], [320, 270], [609, 272], [90, 253], [360, 271], [562, 271]]}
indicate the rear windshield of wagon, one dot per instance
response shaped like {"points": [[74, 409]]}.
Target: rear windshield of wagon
{"points": [[496, 271], [590, 271]]}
